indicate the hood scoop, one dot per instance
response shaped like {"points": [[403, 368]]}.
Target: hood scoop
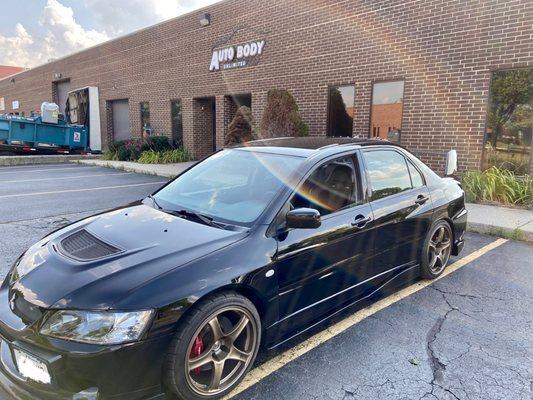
{"points": [[84, 246]]}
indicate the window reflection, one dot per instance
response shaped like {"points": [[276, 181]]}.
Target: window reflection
{"points": [[341, 110], [388, 173], [177, 122], [387, 107], [508, 135], [145, 117]]}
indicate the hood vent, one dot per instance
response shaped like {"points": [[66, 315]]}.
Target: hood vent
{"points": [[83, 246]]}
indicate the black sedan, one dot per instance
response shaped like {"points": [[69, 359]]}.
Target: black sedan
{"points": [[174, 295]]}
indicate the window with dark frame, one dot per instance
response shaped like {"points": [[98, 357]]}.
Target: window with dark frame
{"points": [[388, 173], [331, 187], [145, 117], [416, 177], [387, 109], [508, 140], [340, 110], [177, 122]]}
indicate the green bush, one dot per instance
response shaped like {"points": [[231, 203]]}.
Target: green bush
{"points": [[281, 116], [131, 150], [157, 143], [498, 185], [240, 129], [164, 157]]}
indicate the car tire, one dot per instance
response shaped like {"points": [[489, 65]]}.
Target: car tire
{"points": [[208, 348], [436, 250]]}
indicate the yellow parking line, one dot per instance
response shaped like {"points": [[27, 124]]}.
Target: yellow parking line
{"points": [[272, 365], [82, 190]]}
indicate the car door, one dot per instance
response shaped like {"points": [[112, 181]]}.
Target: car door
{"points": [[320, 269], [402, 209]]}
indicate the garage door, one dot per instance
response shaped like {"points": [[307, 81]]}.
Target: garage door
{"points": [[62, 93], [121, 119]]}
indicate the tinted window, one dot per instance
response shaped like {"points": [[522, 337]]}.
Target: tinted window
{"points": [[330, 187], [177, 122], [509, 129], [340, 110], [145, 115], [387, 108], [416, 178], [388, 173]]}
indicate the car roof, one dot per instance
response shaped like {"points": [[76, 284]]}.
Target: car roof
{"points": [[309, 145]]}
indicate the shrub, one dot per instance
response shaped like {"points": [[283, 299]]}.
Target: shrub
{"points": [[498, 185], [164, 157], [240, 129], [281, 116], [130, 150], [157, 143]]}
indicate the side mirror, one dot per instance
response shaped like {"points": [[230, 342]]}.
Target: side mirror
{"points": [[451, 163], [303, 218]]}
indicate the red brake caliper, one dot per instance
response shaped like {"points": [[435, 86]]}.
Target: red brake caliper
{"points": [[197, 349]]}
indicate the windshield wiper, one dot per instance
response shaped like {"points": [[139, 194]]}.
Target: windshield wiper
{"points": [[186, 213], [203, 218], [155, 201]]}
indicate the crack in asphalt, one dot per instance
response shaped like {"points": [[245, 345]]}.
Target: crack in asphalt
{"points": [[438, 367]]}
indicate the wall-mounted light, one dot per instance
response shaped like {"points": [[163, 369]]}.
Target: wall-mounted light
{"points": [[12, 80], [205, 19]]}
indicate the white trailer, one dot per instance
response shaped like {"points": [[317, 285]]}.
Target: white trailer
{"points": [[83, 108]]}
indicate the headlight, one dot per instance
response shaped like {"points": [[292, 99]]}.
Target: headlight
{"points": [[97, 327], [34, 256]]}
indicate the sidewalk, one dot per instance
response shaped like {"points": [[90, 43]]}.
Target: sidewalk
{"points": [[493, 220], [501, 221], [164, 170]]}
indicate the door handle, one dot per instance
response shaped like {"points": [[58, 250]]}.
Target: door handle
{"points": [[421, 199], [361, 221]]}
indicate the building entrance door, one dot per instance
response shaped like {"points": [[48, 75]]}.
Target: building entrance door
{"points": [[121, 119]]}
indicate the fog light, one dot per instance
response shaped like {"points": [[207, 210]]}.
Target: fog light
{"points": [[31, 368]]}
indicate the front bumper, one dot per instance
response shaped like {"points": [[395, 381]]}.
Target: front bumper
{"points": [[79, 371]]}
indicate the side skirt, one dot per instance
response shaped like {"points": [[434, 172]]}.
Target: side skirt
{"points": [[406, 276]]}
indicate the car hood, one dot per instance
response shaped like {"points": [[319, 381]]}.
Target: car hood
{"points": [[149, 243]]}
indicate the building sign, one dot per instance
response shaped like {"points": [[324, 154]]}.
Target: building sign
{"points": [[2, 104], [237, 56], [15, 105]]}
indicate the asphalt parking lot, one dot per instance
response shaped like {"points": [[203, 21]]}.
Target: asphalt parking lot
{"points": [[467, 336]]}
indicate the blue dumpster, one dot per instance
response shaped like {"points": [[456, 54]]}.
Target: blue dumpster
{"points": [[24, 132]]}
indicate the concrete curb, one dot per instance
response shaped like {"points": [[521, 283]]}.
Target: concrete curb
{"points": [[163, 170], [499, 231], [42, 159]]}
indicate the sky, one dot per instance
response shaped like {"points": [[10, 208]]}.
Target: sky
{"points": [[32, 32]]}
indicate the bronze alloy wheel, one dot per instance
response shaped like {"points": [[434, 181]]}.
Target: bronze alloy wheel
{"points": [[221, 351], [439, 248]]}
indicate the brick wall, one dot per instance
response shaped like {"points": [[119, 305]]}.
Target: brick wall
{"points": [[443, 50]]}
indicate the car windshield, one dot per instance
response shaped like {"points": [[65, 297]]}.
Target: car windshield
{"points": [[233, 186]]}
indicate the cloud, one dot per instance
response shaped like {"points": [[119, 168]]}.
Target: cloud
{"points": [[58, 34], [124, 16], [64, 35], [61, 35], [14, 48]]}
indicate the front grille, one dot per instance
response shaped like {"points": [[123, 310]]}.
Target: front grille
{"points": [[83, 246]]}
